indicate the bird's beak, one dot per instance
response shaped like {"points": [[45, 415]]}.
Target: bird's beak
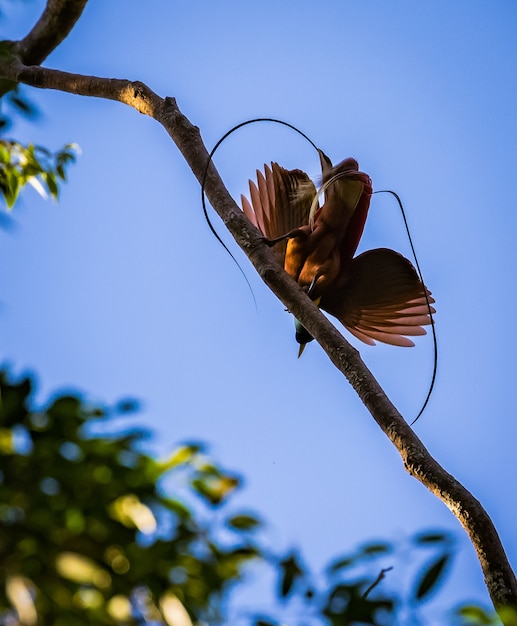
{"points": [[301, 349]]}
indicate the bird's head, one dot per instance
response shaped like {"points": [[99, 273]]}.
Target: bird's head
{"points": [[302, 335]]}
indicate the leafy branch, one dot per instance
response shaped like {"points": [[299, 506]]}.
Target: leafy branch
{"points": [[32, 165]]}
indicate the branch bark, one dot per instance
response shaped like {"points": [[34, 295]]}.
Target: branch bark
{"points": [[499, 577], [54, 25]]}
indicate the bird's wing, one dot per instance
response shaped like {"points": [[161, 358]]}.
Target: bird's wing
{"points": [[383, 299], [347, 199], [280, 202]]}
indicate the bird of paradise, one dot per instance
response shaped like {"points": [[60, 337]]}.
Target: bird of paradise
{"points": [[377, 295]]}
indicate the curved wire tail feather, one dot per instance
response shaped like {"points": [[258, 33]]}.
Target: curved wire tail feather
{"points": [[203, 183], [294, 190], [430, 309]]}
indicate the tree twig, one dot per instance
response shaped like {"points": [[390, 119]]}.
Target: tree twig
{"points": [[381, 575]]}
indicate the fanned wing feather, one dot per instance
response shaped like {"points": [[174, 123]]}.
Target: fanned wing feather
{"points": [[382, 300], [379, 297], [280, 202]]}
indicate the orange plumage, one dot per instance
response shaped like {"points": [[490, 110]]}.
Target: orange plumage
{"points": [[377, 295]]}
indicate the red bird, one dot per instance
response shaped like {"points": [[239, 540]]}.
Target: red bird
{"points": [[376, 295]]}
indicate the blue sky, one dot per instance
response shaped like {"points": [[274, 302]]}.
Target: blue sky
{"points": [[120, 289]]}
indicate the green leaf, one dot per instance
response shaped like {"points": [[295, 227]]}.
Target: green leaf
{"points": [[23, 105], [127, 405], [30, 164], [431, 577], [473, 614], [290, 571], [182, 455], [431, 538], [61, 172], [51, 182], [41, 149], [5, 156], [214, 492], [373, 549], [342, 563], [243, 522], [177, 507], [12, 187]]}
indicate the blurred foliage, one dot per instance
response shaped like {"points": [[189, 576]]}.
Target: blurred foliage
{"points": [[95, 531], [14, 102], [34, 165], [20, 164], [87, 535]]}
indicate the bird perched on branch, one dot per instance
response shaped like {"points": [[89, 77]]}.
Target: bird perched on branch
{"points": [[377, 295]]}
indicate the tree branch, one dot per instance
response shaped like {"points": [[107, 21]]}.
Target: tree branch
{"points": [[54, 25], [499, 577]]}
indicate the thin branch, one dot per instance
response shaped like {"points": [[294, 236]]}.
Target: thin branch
{"points": [[381, 576], [499, 577]]}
